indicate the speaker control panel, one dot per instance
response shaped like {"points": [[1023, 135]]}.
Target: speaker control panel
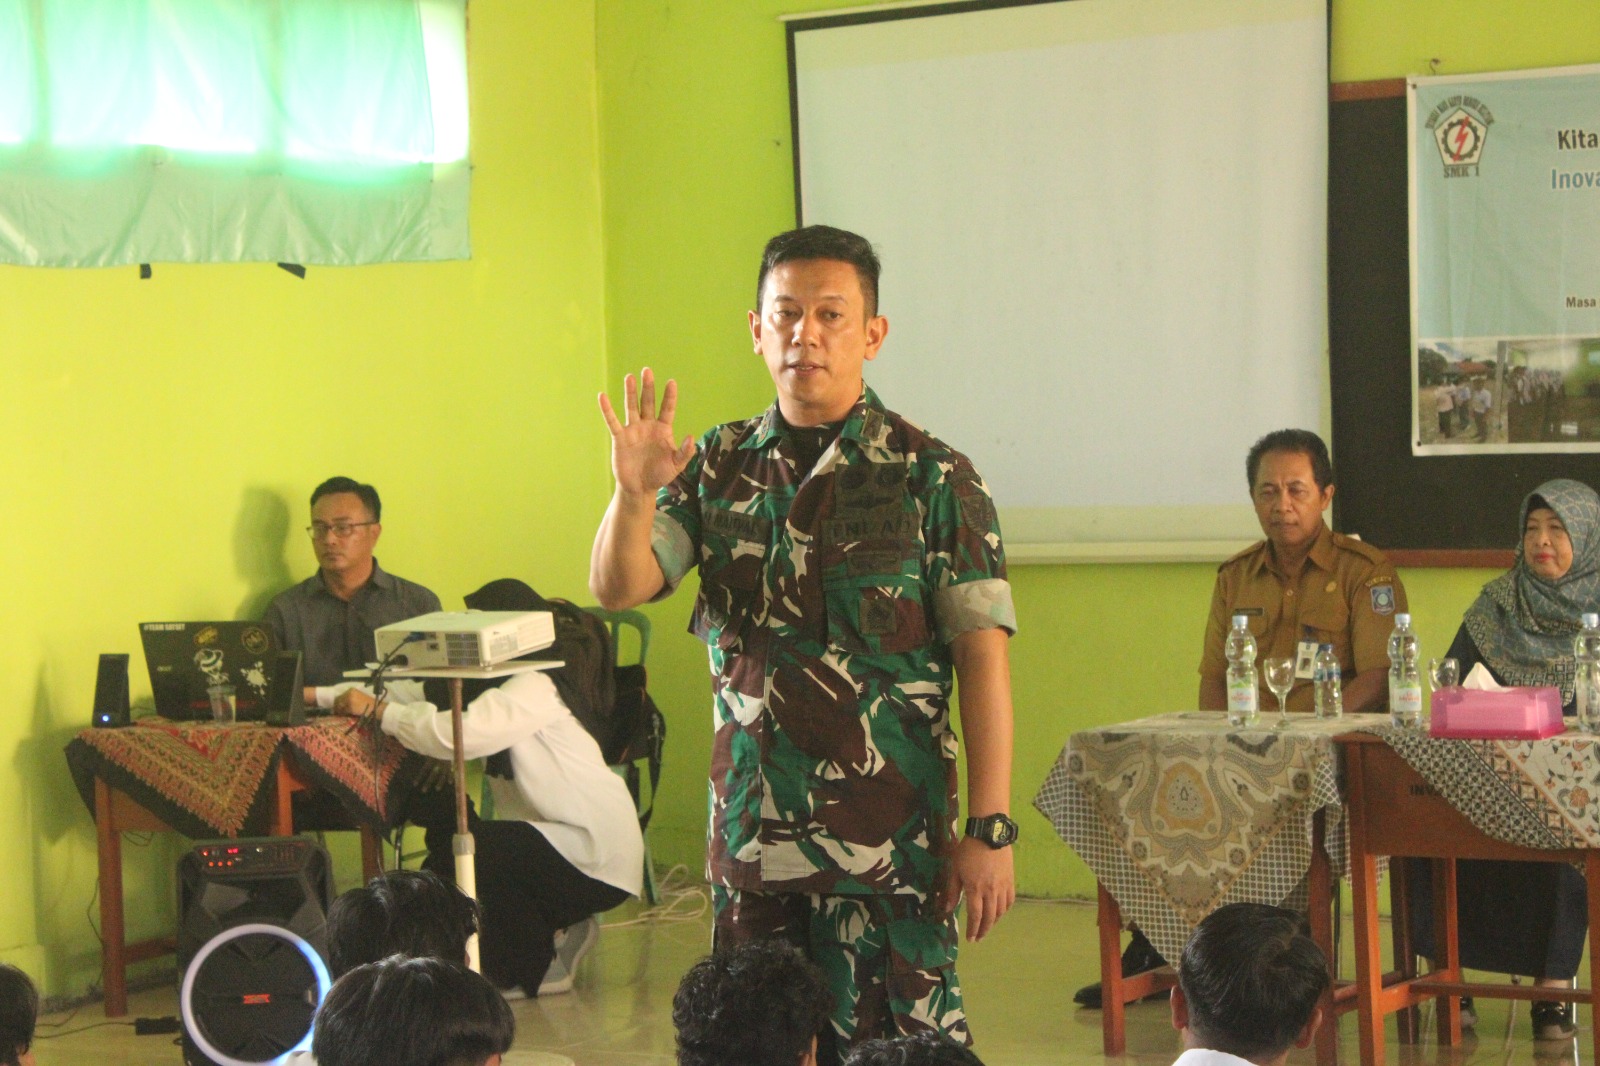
{"points": [[286, 855]]}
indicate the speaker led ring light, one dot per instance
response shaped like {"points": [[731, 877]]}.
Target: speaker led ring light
{"points": [[185, 998]]}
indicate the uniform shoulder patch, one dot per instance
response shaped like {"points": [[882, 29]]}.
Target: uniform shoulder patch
{"points": [[1382, 599], [1359, 547], [1242, 554]]}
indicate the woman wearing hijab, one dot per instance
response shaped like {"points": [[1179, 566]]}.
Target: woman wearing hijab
{"points": [[1527, 918]]}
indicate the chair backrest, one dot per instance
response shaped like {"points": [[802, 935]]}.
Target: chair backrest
{"points": [[617, 622]]}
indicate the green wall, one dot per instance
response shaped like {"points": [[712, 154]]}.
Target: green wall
{"points": [[696, 170], [161, 438], [631, 156]]}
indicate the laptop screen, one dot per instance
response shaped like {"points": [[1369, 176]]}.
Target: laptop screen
{"points": [[185, 658]]}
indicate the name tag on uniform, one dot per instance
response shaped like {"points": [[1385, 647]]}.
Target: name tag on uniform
{"points": [[1305, 660]]}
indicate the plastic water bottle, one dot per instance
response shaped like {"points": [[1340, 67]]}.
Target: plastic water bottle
{"points": [[1326, 696], [1405, 684], [1243, 696], [1586, 673]]}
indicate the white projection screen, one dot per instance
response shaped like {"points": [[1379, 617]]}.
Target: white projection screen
{"points": [[1103, 227]]}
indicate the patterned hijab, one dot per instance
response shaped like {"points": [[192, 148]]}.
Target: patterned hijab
{"points": [[1522, 624]]}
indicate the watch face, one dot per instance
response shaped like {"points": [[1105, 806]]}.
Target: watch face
{"points": [[999, 833]]}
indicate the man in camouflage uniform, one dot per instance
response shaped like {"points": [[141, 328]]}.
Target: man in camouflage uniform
{"points": [[850, 569]]}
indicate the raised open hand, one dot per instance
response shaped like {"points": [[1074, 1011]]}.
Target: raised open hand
{"points": [[644, 456]]}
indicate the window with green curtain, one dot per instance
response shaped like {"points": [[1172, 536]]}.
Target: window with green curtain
{"points": [[303, 131]]}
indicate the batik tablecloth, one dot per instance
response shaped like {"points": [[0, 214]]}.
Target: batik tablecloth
{"points": [[1535, 793], [206, 780], [1181, 813]]}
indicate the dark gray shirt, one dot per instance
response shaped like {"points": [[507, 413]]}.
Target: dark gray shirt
{"points": [[334, 635]]}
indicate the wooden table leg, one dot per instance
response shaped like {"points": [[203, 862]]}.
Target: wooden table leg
{"points": [[1446, 949], [1320, 884], [1591, 869], [371, 853], [113, 931], [1364, 905], [1113, 1034], [1407, 1020]]}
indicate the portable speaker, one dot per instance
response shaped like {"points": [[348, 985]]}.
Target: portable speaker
{"points": [[252, 944], [111, 692], [286, 704]]}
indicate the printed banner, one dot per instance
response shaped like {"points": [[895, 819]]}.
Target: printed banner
{"points": [[1505, 262]]}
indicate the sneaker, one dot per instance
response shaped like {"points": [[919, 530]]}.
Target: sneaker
{"points": [[572, 944], [1469, 1013], [512, 994], [1140, 956], [1553, 1021]]}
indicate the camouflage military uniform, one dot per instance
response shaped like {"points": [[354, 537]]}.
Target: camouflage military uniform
{"points": [[828, 599]]}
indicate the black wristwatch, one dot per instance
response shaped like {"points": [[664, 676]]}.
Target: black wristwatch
{"points": [[997, 830]]}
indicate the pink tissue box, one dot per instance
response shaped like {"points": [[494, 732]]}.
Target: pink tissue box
{"points": [[1515, 714]]}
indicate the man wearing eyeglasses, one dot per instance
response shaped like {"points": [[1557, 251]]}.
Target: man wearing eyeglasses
{"points": [[329, 617]]}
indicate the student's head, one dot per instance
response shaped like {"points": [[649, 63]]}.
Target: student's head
{"points": [[412, 1012], [1291, 486], [402, 912], [926, 1048], [757, 1004], [346, 520], [1249, 982], [19, 1010]]}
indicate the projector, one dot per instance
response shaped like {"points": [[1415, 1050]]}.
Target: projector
{"points": [[464, 639]]}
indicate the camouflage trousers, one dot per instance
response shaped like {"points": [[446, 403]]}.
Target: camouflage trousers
{"points": [[888, 959]]}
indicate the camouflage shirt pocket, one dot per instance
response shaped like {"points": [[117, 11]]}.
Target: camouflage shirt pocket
{"points": [[730, 584], [875, 600]]}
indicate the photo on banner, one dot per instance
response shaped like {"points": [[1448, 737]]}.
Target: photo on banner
{"points": [[1505, 262]]}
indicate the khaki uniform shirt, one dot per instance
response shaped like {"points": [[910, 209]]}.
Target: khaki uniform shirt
{"points": [[1346, 595]]}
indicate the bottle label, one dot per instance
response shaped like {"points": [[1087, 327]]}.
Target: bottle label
{"points": [[1241, 697], [1406, 699]]}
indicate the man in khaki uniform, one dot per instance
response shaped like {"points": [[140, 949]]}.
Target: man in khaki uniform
{"points": [[1304, 584]]}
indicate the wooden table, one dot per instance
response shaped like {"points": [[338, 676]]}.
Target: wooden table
{"points": [[1394, 810], [265, 767], [1162, 804]]}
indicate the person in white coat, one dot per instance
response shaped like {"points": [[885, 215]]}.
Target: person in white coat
{"points": [[565, 843]]}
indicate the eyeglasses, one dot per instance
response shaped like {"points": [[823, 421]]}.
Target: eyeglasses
{"points": [[339, 530]]}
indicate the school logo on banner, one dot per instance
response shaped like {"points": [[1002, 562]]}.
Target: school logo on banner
{"points": [[1460, 126]]}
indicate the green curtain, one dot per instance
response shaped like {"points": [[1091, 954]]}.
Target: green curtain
{"points": [[306, 131]]}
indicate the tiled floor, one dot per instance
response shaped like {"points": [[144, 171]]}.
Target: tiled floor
{"points": [[1018, 987]]}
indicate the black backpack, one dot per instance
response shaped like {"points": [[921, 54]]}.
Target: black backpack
{"points": [[609, 701]]}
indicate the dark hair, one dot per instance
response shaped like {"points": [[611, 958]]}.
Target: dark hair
{"points": [[368, 494], [757, 1004], [1251, 978], [402, 912], [926, 1048], [411, 1012], [823, 242], [1296, 442], [19, 1010]]}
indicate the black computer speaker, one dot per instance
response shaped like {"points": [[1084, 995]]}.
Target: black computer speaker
{"points": [[111, 692], [286, 704], [252, 947]]}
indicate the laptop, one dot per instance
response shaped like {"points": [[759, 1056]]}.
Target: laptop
{"points": [[185, 658]]}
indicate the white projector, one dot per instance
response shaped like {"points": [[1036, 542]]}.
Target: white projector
{"points": [[464, 639]]}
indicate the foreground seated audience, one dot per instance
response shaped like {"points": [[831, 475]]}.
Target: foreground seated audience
{"points": [[412, 1012], [19, 1010], [757, 1004], [919, 1049], [1249, 986]]}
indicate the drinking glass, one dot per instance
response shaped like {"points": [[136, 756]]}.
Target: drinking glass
{"points": [[1444, 673], [1279, 671]]}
